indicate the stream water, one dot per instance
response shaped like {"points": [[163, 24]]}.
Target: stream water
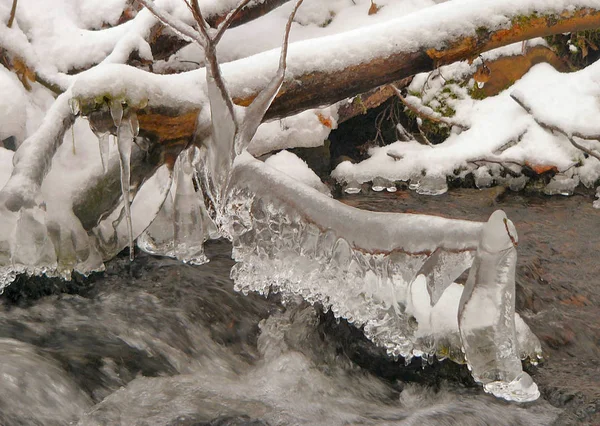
{"points": [[158, 342]]}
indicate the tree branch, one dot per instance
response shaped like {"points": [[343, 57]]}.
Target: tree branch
{"points": [[552, 128], [13, 10], [427, 113], [164, 45]]}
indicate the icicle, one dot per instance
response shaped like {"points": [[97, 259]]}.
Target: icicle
{"points": [[73, 140], [74, 105], [101, 127], [116, 112], [124, 144], [134, 124], [486, 315], [104, 146], [188, 227]]}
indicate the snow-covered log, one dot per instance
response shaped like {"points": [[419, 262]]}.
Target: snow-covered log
{"points": [[328, 69]]}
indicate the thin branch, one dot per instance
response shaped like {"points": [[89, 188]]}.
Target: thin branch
{"points": [[13, 10], [202, 24], [259, 106], [501, 163], [583, 148], [551, 128], [167, 19], [428, 113], [228, 20]]}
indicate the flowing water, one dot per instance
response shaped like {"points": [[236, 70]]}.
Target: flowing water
{"points": [[163, 343]]}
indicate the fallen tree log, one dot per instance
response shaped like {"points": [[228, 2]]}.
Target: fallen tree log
{"points": [[307, 86]]}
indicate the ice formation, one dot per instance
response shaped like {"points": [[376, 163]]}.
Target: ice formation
{"points": [[486, 315], [392, 274], [369, 268]]}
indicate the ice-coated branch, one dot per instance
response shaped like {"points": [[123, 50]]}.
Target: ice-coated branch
{"points": [[255, 113], [408, 233]]}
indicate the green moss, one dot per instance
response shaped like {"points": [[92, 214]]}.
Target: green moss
{"points": [[524, 19], [476, 93], [481, 32]]}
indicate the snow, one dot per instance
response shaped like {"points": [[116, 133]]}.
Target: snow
{"points": [[13, 106], [303, 130], [296, 168], [563, 100]]}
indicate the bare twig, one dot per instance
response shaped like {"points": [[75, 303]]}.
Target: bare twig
{"points": [[583, 148], [175, 24], [228, 20], [13, 10], [257, 109], [500, 163], [427, 113], [552, 128]]}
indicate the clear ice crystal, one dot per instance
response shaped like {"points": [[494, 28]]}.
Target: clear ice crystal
{"points": [[352, 187], [442, 268], [32, 249], [487, 315], [379, 184], [116, 112], [432, 185], [134, 124], [104, 146], [74, 106], [562, 185], [157, 239], [483, 177], [124, 145]]}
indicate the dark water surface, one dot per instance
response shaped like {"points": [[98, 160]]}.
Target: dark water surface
{"points": [[161, 343]]}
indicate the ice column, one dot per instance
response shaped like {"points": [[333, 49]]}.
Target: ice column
{"points": [[189, 228], [486, 315]]}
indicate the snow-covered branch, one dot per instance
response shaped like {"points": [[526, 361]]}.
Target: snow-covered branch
{"points": [[355, 62], [554, 127]]}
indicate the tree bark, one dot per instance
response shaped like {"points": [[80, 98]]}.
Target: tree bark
{"points": [[317, 88]]}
